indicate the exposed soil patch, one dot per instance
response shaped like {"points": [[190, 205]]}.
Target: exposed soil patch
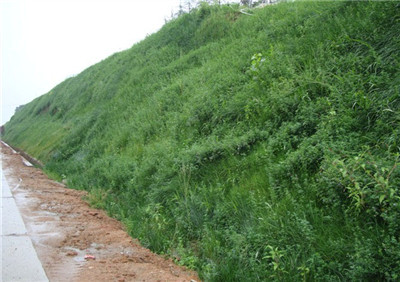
{"points": [[76, 242]]}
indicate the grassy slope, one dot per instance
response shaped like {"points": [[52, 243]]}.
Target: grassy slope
{"points": [[284, 166]]}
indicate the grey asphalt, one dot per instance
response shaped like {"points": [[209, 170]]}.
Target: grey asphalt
{"points": [[19, 261]]}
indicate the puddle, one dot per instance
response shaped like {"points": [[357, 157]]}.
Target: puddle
{"points": [[40, 228], [77, 254], [95, 250], [45, 229]]}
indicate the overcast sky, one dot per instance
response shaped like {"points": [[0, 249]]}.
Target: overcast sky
{"points": [[43, 42]]}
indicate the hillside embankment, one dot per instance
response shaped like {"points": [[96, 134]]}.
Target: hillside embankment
{"points": [[248, 147]]}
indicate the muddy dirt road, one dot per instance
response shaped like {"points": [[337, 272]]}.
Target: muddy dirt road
{"points": [[75, 242]]}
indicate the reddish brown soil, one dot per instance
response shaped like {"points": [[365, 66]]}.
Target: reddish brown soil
{"points": [[64, 229]]}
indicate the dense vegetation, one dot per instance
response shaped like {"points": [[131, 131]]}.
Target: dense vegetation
{"points": [[261, 147]]}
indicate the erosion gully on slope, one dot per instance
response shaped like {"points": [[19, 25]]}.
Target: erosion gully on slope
{"points": [[75, 242]]}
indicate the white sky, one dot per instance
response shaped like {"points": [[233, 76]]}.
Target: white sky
{"points": [[43, 42]]}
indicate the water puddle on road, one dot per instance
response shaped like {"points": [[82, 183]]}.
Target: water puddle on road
{"points": [[48, 236]]}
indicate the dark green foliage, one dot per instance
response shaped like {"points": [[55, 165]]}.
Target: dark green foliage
{"points": [[253, 148]]}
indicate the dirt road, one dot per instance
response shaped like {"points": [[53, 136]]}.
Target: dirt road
{"points": [[75, 242]]}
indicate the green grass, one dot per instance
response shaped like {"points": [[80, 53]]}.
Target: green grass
{"points": [[254, 148]]}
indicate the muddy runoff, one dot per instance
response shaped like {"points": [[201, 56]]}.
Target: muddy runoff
{"points": [[75, 242]]}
